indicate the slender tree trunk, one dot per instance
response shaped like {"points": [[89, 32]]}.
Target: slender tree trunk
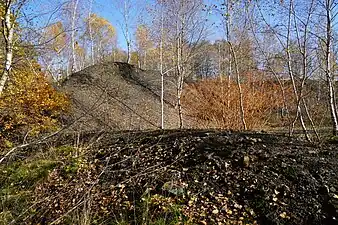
{"points": [[220, 70], [302, 45], [128, 48], [332, 105], [229, 71], [139, 60], [179, 104], [91, 34], [240, 91], [127, 35], [73, 42], [310, 119], [228, 36], [328, 72], [179, 78], [179, 61], [280, 83], [161, 70], [8, 34], [289, 60], [233, 56]]}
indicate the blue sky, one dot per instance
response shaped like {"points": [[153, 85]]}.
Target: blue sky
{"points": [[112, 12], [107, 9]]}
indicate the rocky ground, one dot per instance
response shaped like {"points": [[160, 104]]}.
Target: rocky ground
{"points": [[118, 96], [177, 177]]}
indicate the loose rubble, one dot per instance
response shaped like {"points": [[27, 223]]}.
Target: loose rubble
{"points": [[208, 177]]}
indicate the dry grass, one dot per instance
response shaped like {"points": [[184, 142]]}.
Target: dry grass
{"points": [[216, 104]]}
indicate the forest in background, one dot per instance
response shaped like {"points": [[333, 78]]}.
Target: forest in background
{"points": [[273, 65], [241, 66]]}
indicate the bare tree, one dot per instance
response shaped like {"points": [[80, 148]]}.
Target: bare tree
{"points": [[92, 55], [267, 58], [329, 7], [125, 7], [295, 42], [226, 10], [161, 68], [126, 10], [12, 10], [233, 58], [73, 33], [291, 73], [303, 39], [185, 25]]}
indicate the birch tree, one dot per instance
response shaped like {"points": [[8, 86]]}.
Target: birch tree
{"points": [[8, 32], [226, 9], [330, 12], [11, 11], [185, 23], [90, 31], [125, 9], [233, 58], [161, 65], [298, 97], [101, 35], [54, 52], [73, 33], [292, 32]]}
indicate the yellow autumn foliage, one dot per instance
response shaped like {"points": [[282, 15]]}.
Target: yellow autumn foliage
{"points": [[29, 102]]}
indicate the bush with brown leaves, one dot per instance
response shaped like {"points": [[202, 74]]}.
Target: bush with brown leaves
{"points": [[215, 102]]}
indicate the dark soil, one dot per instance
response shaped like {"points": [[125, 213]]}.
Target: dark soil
{"points": [[214, 177], [119, 96]]}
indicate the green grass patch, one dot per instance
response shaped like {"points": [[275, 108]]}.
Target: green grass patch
{"points": [[66, 150], [73, 166], [333, 139], [24, 175], [18, 181], [72, 159]]}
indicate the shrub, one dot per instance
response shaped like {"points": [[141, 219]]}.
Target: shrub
{"points": [[216, 103], [30, 103]]}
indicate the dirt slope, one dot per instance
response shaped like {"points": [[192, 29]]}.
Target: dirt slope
{"points": [[205, 177], [119, 96]]}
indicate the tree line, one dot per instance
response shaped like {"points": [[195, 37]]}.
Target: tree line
{"points": [[232, 61]]}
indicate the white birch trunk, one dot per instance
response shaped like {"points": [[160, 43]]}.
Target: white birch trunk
{"points": [[328, 72], [304, 54], [74, 63], [220, 70], [233, 56], [161, 70], [8, 34], [228, 36], [179, 79], [179, 56], [240, 91], [127, 35], [291, 75], [91, 34]]}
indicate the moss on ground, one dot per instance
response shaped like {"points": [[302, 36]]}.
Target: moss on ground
{"points": [[19, 179]]}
